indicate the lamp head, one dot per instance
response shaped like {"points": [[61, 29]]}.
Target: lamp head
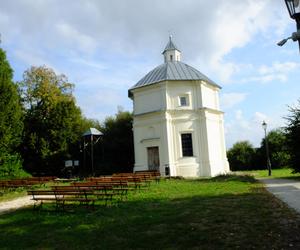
{"points": [[282, 42], [293, 8], [264, 125]]}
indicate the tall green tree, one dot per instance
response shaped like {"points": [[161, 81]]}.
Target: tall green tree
{"points": [[118, 143], [240, 156], [293, 136], [279, 153], [53, 125], [11, 125], [11, 115]]}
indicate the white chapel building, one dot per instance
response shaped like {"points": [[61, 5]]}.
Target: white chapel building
{"points": [[178, 126]]}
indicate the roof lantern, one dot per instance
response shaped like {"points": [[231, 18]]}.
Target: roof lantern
{"points": [[171, 52]]}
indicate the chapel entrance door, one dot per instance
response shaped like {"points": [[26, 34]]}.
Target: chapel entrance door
{"points": [[153, 158]]}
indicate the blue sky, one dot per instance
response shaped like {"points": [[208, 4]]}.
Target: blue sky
{"points": [[105, 47]]}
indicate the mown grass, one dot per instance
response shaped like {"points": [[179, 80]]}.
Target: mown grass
{"points": [[226, 212], [276, 173]]}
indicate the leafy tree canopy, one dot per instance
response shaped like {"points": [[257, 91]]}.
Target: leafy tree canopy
{"points": [[293, 134], [11, 114], [118, 142], [240, 156], [42, 87], [279, 153], [53, 122], [11, 121]]}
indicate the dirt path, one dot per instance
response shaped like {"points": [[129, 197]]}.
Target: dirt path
{"points": [[15, 204]]}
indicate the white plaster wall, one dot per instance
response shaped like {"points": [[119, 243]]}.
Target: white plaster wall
{"points": [[216, 144], [175, 89], [150, 131], [148, 99], [204, 163], [210, 96], [183, 121]]}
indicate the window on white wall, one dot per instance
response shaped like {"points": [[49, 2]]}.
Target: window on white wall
{"points": [[183, 100], [187, 144]]}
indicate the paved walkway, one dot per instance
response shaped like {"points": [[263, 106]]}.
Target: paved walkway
{"points": [[286, 190], [8, 206]]}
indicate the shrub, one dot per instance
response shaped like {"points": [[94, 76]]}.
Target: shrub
{"points": [[11, 167]]}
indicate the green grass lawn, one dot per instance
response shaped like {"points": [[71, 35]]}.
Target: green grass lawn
{"points": [[220, 213], [276, 173]]}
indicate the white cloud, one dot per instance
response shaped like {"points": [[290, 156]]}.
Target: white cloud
{"points": [[239, 115], [89, 63], [249, 128], [229, 100], [98, 104], [34, 58], [70, 34], [267, 78], [235, 25], [276, 72], [133, 27], [278, 67], [259, 117]]}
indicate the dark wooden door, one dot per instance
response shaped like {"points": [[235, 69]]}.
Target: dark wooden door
{"points": [[153, 158]]}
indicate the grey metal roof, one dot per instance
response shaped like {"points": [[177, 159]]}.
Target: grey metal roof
{"points": [[174, 70], [170, 46]]}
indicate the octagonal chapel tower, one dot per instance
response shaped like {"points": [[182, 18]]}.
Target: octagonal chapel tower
{"points": [[178, 126]]}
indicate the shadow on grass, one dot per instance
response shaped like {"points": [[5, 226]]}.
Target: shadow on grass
{"points": [[247, 221], [233, 177], [228, 178]]}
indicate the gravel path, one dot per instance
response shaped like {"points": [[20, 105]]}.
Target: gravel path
{"points": [[12, 205], [286, 190]]}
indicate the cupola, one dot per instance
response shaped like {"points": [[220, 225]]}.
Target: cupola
{"points": [[171, 53]]}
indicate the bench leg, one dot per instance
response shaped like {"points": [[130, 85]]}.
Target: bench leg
{"points": [[37, 204], [60, 204]]}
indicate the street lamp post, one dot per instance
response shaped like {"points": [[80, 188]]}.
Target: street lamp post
{"points": [[264, 125], [293, 7]]}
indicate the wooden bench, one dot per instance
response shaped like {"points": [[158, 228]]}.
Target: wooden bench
{"points": [[107, 190], [24, 182], [101, 192], [41, 196], [62, 195], [134, 181], [151, 174], [83, 196], [143, 178]]}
